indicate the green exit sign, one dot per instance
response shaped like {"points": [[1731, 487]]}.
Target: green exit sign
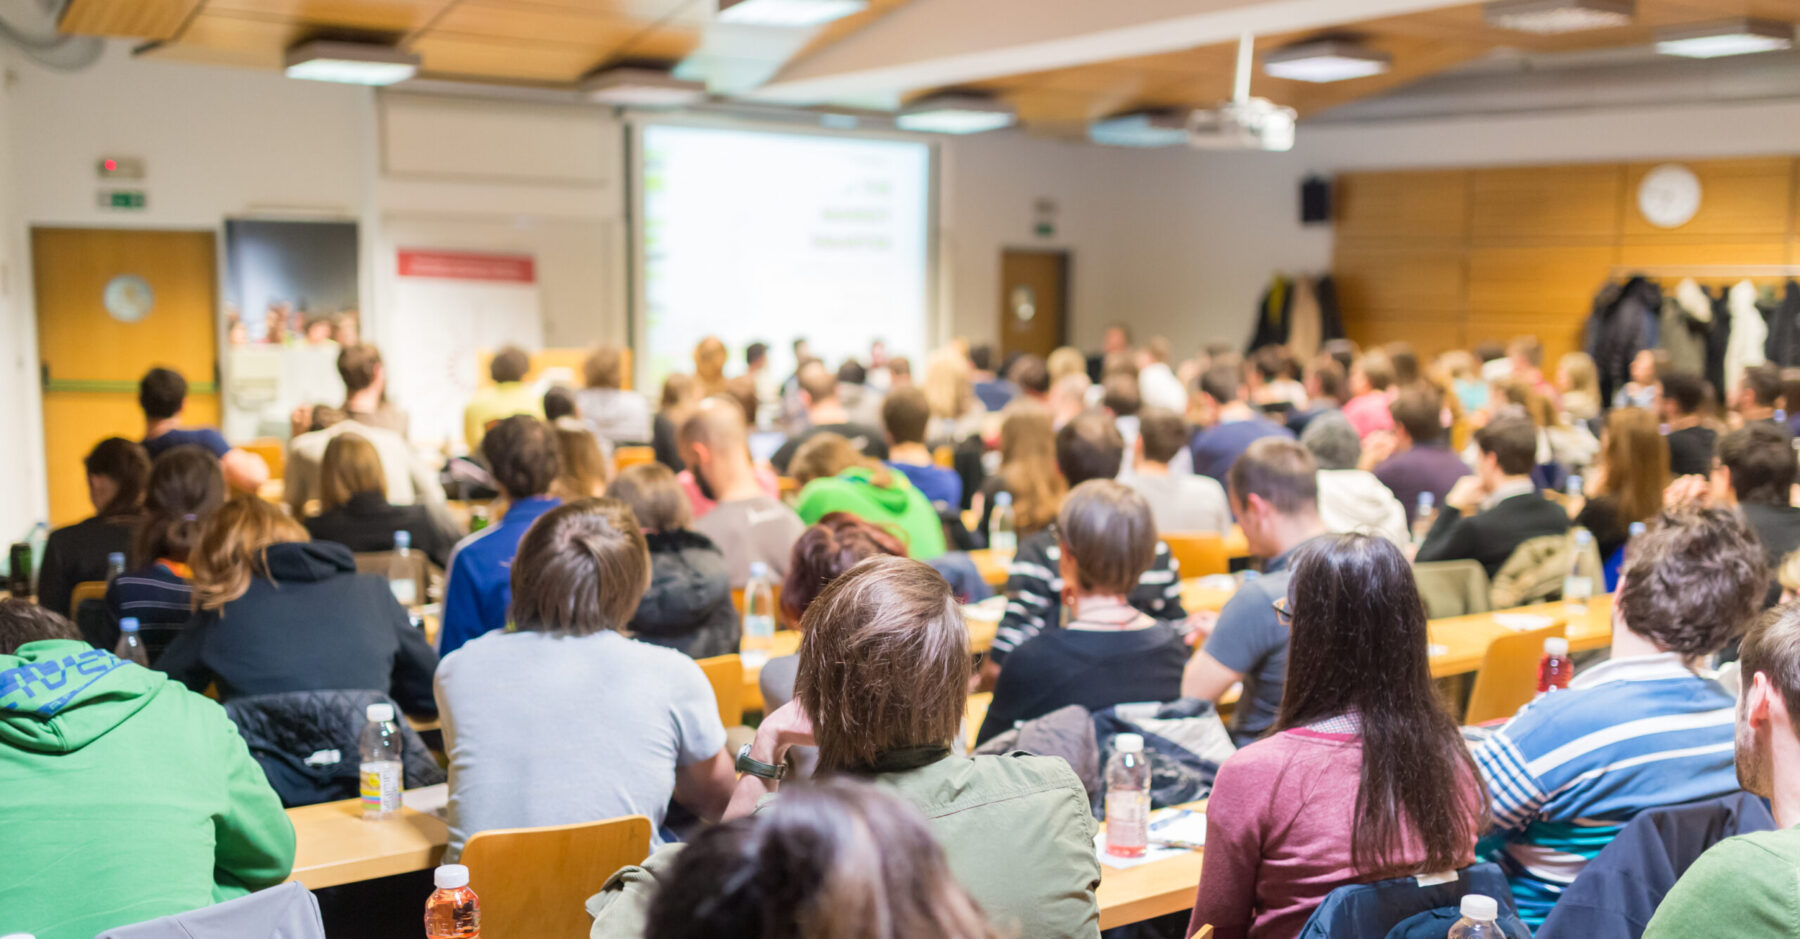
{"points": [[122, 198]]}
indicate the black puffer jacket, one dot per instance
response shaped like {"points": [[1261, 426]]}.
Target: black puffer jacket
{"points": [[688, 606], [307, 743]]}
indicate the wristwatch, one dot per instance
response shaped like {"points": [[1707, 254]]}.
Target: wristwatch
{"points": [[755, 767]]}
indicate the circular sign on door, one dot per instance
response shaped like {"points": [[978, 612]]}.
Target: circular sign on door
{"points": [[1024, 303], [129, 298]]}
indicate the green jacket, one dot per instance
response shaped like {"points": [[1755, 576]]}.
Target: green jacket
{"points": [[1742, 887], [126, 797], [900, 508]]}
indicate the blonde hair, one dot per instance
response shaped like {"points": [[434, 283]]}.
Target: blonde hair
{"points": [[948, 388], [1066, 360], [826, 455], [351, 465], [582, 470], [1583, 376], [709, 365], [234, 548], [1028, 467]]}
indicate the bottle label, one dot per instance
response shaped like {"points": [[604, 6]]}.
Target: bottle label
{"points": [[1003, 541], [1577, 588], [380, 788], [405, 590], [1127, 821]]}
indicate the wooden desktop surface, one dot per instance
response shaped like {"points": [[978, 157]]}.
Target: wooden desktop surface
{"points": [[993, 564]]}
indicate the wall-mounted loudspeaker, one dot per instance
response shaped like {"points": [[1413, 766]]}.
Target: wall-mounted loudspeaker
{"points": [[1315, 201]]}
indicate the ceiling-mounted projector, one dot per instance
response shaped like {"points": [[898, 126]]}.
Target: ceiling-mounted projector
{"points": [[1248, 124]]}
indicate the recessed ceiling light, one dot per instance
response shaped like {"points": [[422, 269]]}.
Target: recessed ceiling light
{"points": [[1550, 17], [632, 87], [1732, 37], [1328, 60], [956, 114], [1141, 129], [787, 12], [352, 63]]}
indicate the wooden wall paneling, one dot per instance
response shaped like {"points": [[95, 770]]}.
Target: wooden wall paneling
{"points": [[1570, 204], [1535, 290], [1402, 291], [1752, 197], [1427, 205]]}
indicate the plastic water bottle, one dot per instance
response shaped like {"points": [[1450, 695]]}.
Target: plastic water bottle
{"points": [[1555, 669], [115, 565], [1479, 915], [403, 571], [1636, 529], [478, 518], [381, 768], [1578, 586], [40, 539], [131, 647], [759, 615], [1127, 798], [454, 911], [1003, 529], [1572, 486], [1425, 517]]}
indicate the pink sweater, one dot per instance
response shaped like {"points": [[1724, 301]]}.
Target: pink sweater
{"points": [[1278, 834]]}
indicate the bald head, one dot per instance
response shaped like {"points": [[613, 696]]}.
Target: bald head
{"points": [[715, 442]]}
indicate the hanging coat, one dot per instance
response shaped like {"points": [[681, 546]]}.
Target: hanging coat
{"points": [[1331, 319], [1303, 322], [1272, 319], [1783, 346], [1623, 322], [1687, 317], [1749, 335]]}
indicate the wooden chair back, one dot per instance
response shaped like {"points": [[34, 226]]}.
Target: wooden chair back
{"points": [[87, 590], [273, 451], [1204, 933], [1507, 680], [726, 675], [974, 712], [944, 456], [1198, 553], [625, 458], [535, 881], [737, 600]]}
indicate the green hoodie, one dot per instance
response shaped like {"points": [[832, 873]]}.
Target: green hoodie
{"points": [[900, 507], [123, 797]]}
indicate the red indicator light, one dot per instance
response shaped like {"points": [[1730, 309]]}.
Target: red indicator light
{"points": [[111, 165]]}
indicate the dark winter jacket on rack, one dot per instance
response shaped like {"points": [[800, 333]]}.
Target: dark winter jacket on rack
{"points": [[1623, 322], [1783, 344], [1276, 310]]}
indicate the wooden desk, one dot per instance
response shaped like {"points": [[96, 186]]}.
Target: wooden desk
{"points": [[1466, 638], [1134, 894], [335, 846], [992, 565], [1236, 546]]}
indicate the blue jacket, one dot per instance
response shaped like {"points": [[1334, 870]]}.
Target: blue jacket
{"points": [[1401, 909], [480, 579]]}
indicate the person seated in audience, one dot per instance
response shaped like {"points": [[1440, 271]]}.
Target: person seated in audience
{"points": [[1758, 397], [1690, 442], [956, 413], [1405, 363], [184, 491], [277, 613], [680, 395], [1364, 775], [905, 414], [1028, 474], [562, 719], [1415, 457], [1119, 396], [1578, 386], [1371, 387], [835, 477], [825, 551], [507, 396], [1109, 652], [882, 685], [355, 511], [1088, 447], [861, 401], [583, 467], [521, 453], [407, 479], [1464, 380], [1157, 385], [826, 415], [994, 390], [1627, 485], [1325, 393], [128, 797], [1351, 499], [1231, 424], [1642, 389], [559, 402], [764, 379], [1790, 391], [365, 393], [1648, 728], [612, 413], [1570, 446], [1743, 887], [1178, 502], [745, 520], [1755, 473], [117, 471], [814, 856], [710, 357], [687, 606], [1068, 397], [162, 394], [1276, 387], [1031, 376], [1274, 490], [1487, 515]]}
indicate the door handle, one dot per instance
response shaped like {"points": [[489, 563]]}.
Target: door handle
{"points": [[44, 374]]}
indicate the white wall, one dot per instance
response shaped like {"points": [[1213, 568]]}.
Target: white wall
{"points": [[21, 476]]}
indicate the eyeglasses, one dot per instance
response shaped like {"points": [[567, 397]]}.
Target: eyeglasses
{"points": [[1283, 615]]}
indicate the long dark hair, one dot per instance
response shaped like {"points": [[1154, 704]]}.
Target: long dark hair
{"points": [[1358, 647], [128, 466], [186, 488]]}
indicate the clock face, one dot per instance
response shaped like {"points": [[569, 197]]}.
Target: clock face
{"points": [[1669, 196], [129, 298]]}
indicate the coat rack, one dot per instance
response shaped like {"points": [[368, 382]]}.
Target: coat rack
{"points": [[1703, 271]]}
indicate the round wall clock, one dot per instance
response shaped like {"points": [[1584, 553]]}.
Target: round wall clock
{"points": [[1669, 196], [129, 298]]}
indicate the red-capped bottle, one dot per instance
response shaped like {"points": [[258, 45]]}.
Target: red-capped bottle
{"points": [[1555, 669]]}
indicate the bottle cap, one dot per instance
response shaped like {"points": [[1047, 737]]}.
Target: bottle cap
{"points": [[402, 539], [1637, 528], [759, 569], [1556, 645], [116, 557], [1573, 486], [1129, 743], [128, 624], [1583, 537], [380, 712], [1003, 498], [1474, 906], [452, 876], [1427, 499]]}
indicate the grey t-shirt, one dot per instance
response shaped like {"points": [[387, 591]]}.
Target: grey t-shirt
{"points": [[1185, 503], [1251, 640], [546, 729], [747, 530]]}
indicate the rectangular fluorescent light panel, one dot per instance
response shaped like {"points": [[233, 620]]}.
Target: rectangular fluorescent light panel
{"points": [[641, 88], [1329, 61], [956, 114], [1143, 129], [351, 63], [1716, 40], [1553, 17], [787, 12]]}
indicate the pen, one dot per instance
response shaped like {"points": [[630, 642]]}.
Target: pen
{"points": [[1170, 820]]}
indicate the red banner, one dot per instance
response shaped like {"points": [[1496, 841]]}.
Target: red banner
{"points": [[468, 265]]}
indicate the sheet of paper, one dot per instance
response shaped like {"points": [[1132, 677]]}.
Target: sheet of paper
{"points": [[430, 800], [1165, 825], [1523, 622]]}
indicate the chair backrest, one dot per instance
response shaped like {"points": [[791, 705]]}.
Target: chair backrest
{"points": [[726, 675], [534, 882], [1507, 680], [944, 456], [287, 911], [1198, 554], [381, 562], [625, 458], [1371, 911], [87, 590], [1452, 588], [1205, 932], [273, 451]]}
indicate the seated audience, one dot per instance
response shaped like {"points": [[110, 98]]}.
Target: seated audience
{"points": [[994, 391], [582, 467], [1088, 447], [1648, 728], [1274, 490], [883, 680], [1027, 474], [1690, 442], [162, 394], [278, 613], [507, 396], [1487, 515], [837, 543], [1064, 361], [746, 521], [956, 413], [365, 394], [1464, 380], [1743, 887], [117, 470], [710, 357], [406, 479], [1179, 502], [1755, 473], [1231, 424], [1627, 485], [764, 381], [1572, 447], [1157, 384], [861, 401], [1351, 499], [1758, 396], [835, 477], [1641, 390], [559, 402], [1109, 652], [608, 726], [1364, 775], [355, 511], [612, 413], [128, 797], [687, 606], [905, 414], [827, 415], [1405, 362], [1069, 396], [521, 453], [1325, 393], [1371, 388], [1031, 377], [1120, 397], [1420, 459], [184, 491], [680, 395], [1578, 386]]}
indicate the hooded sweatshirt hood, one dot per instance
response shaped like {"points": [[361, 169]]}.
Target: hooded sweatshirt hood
{"points": [[308, 561], [1355, 501], [60, 695]]}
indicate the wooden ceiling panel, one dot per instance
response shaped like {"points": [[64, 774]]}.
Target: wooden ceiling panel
{"points": [[397, 16], [228, 39], [144, 19], [662, 44], [494, 19], [453, 55]]}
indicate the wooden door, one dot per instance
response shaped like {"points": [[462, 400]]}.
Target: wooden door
{"points": [[1033, 301], [90, 360]]}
